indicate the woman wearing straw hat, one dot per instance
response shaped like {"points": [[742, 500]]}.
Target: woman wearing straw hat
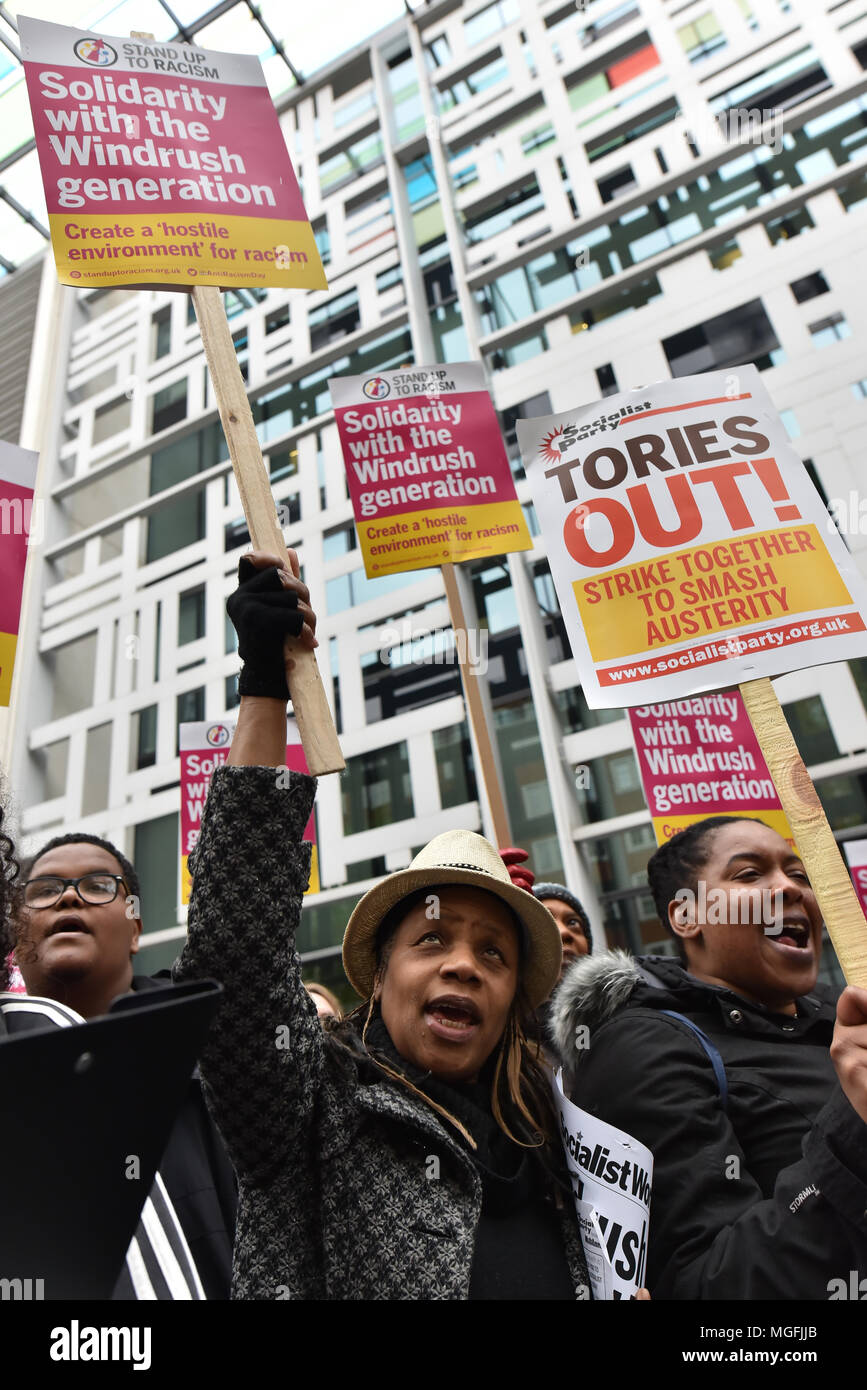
{"points": [[411, 1151]]}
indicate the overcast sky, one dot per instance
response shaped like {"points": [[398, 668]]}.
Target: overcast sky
{"points": [[314, 32]]}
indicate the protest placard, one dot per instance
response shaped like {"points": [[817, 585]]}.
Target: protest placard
{"points": [[163, 163], [427, 471], [611, 1175], [204, 746], [703, 753], [687, 544], [17, 481], [856, 858]]}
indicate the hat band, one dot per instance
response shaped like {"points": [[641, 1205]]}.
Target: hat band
{"points": [[473, 868]]}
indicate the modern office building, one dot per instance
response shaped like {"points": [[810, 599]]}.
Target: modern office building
{"points": [[588, 196]]}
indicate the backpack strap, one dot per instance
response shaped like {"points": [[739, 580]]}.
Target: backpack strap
{"points": [[714, 1057], [716, 1061]]}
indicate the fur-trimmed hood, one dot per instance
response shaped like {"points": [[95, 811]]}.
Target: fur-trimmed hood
{"points": [[591, 992]]}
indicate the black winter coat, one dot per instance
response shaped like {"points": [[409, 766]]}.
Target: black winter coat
{"points": [[764, 1199]]}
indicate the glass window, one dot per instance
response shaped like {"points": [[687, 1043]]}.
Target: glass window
{"points": [[181, 521], [790, 420], [349, 164], [351, 110], [616, 184], [724, 255], [809, 287], [858, 667], [155, 855], [340, 540], [278, 318], [811, 731], [829, 330], [322, 237], [606, 379], [111, 419], [702, 37], [479, 80], [576, 715], [519, 351], [489, 21], [162, 332], [334, 319], [53, 761], [495, 598], [454, 760], [143, 738], [191, 615], [613, 787], [190, 707], [784, 228], [525, 786], [437, 51], [70, 671], [376, 789], [740, 335], [97, 769], [844, 799], [169, 406]]}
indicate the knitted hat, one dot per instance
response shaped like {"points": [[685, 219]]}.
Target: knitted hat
{"points": [[558, 890], [457, 857]]}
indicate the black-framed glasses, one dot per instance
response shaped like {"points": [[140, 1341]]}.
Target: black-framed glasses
{"points": [[91, 888]]}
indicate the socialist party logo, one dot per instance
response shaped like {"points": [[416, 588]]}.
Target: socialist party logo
{"points": [[96, 52], [376, 389], [217, 735]]}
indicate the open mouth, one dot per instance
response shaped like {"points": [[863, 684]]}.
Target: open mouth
{"points": [[452, 1017], [67, 926], [794, 934]]}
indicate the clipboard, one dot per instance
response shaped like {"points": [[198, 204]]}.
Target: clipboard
{"points": [[78, 1106]]}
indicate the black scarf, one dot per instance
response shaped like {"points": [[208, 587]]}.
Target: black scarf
{"points": [[510, 1175]]}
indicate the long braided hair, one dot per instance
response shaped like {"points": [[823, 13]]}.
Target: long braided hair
{"points": [[9, 899]]}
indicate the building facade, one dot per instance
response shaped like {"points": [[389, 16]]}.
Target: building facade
{"points": [[589, 197]]}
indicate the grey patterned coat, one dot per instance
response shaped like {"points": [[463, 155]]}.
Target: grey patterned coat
{"points": [[335, 1201]]}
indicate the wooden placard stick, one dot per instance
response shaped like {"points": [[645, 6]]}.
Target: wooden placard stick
{"points": [[312, 715], [476, 712], [315, 725], [813, 835]]}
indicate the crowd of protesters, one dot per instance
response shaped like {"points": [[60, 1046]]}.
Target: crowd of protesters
{"points": [[411, 1148]]}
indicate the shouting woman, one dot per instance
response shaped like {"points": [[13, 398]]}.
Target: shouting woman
{"points": [[410, 1151]]}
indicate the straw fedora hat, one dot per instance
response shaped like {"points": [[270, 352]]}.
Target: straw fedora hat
{"points": [[456, 857]]}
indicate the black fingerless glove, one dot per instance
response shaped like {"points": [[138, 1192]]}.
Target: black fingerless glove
{"points": [[263, 612]]}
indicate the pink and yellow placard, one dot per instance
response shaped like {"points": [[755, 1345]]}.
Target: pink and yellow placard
{"points": [[17, 481], [700, 757], [427, 471], [163, 163], [204, 746]]}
